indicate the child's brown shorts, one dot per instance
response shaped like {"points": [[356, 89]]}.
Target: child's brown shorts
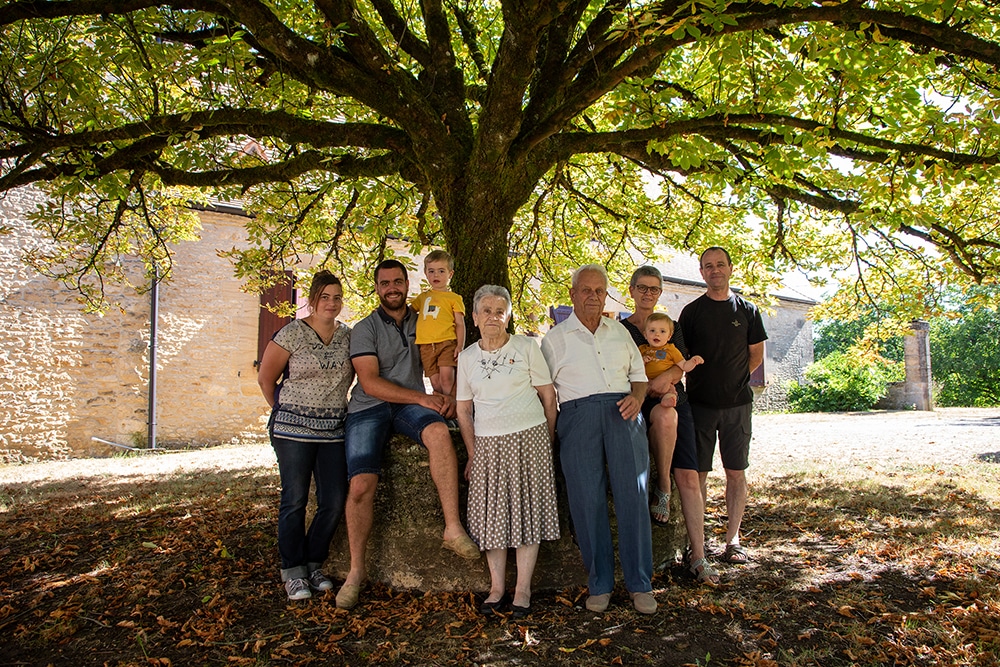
{"points": [[435, 355]]}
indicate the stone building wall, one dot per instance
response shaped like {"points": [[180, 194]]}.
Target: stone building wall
{"points": [[67, 376]]}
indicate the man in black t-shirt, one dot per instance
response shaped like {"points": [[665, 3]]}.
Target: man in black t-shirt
{"points": [[727, 331]]}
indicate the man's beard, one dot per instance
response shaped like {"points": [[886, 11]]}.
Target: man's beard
{"points": [[399, 298]]}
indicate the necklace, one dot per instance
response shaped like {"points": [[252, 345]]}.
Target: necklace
{"points": [[496, 349], [494, 361]]}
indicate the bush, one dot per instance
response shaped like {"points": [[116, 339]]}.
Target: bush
{"points": [[844, 381]]}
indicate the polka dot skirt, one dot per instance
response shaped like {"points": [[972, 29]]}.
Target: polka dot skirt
{"points": [[512, 491]]}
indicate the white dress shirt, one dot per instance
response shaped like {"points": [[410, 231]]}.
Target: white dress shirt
{"points": [[584, 363]]}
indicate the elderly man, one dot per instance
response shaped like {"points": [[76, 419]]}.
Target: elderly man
{"points": [[727, 331], [390, 398], [598, 374]]}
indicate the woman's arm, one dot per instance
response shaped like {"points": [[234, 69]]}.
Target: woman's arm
{"points": [[468, 431], [271, 366], [547, 395]]}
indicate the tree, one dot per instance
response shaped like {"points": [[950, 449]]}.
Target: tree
{"points": [[964, 345], [868, 331], [855, 135], [965, 351]]}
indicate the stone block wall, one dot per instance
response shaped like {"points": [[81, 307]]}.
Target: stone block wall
{"points": [[67, 376]]}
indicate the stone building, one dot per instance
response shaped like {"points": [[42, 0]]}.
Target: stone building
{"points": [[67, 377]]}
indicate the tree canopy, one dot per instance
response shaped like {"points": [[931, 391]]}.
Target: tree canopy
{"points": [[856, 137]]}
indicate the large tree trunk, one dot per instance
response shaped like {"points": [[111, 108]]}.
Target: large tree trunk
{"points": [[476, 219]]}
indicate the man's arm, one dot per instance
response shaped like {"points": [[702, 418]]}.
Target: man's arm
{"points": [[756, 355], [366, 367], [547, 396]]}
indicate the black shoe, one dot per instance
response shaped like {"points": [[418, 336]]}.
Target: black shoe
{"points": [[519, 611], [491, 608]]}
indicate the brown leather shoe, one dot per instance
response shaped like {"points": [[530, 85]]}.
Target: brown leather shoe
{"points": [[348, 596], [598, 603], [463, 546]]}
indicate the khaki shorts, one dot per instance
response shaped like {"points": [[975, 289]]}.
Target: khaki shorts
{"points": [[435, 355]]}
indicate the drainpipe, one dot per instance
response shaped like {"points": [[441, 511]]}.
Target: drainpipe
{"points": [[154, 299], [154, 302]]}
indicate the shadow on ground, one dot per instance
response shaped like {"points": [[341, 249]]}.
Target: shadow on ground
{"points": [[181, 570]]}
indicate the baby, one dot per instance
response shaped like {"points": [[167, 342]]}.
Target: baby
{"points": [[659, 355]]}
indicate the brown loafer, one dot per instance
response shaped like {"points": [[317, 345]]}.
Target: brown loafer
{"points": [[598, 603], [348, 596], [644, 603], [463, 546]]}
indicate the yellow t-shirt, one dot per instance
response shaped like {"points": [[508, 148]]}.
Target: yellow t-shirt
{"points": [[659, 359], [436, 316]]}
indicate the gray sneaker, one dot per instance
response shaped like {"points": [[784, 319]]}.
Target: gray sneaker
{"points": [[319, 581], [298, 589]]}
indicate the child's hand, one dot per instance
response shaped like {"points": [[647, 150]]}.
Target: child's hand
{"points": [[647, 357], [697, 360]]}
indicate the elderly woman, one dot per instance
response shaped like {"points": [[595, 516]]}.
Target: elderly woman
{"points": [[307, 431], [504, 382], [671, 432]]}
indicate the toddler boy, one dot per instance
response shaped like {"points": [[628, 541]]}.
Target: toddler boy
{"points": [[440, 323]]}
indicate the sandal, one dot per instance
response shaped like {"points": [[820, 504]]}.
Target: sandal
{"points": [[660, 508], [735, 554], [707, 574]]}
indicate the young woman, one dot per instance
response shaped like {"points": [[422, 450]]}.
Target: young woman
{"points": [[307, 431]]}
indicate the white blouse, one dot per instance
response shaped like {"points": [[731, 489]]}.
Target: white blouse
{"points": [[501, 385]]}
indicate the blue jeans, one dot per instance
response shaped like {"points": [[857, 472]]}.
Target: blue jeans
{"points": [[369, 430], [298, 464], [598, 447]]}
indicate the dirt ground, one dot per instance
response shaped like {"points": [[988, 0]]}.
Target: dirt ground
{"points": [[944, 436], [167, 559]]}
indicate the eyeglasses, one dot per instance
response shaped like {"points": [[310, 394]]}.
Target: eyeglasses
{"points": [[648, 289]]}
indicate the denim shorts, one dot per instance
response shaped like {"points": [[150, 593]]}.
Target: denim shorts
{"points": [[368, 431]]}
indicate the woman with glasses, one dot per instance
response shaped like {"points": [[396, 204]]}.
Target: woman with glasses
{"points": [[671, 432]]}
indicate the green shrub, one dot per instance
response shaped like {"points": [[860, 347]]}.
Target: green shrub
{"points": [[844, 381]]}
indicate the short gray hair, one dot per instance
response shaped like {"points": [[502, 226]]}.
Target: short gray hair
{"points": [[646, 271], [491, 290], [599, 268]]}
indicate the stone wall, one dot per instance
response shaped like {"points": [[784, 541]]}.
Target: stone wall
{"points": [[67, 376]]}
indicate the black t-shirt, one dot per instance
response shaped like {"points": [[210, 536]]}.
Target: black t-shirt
{"points": [[721, 332], [677, 340]]}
